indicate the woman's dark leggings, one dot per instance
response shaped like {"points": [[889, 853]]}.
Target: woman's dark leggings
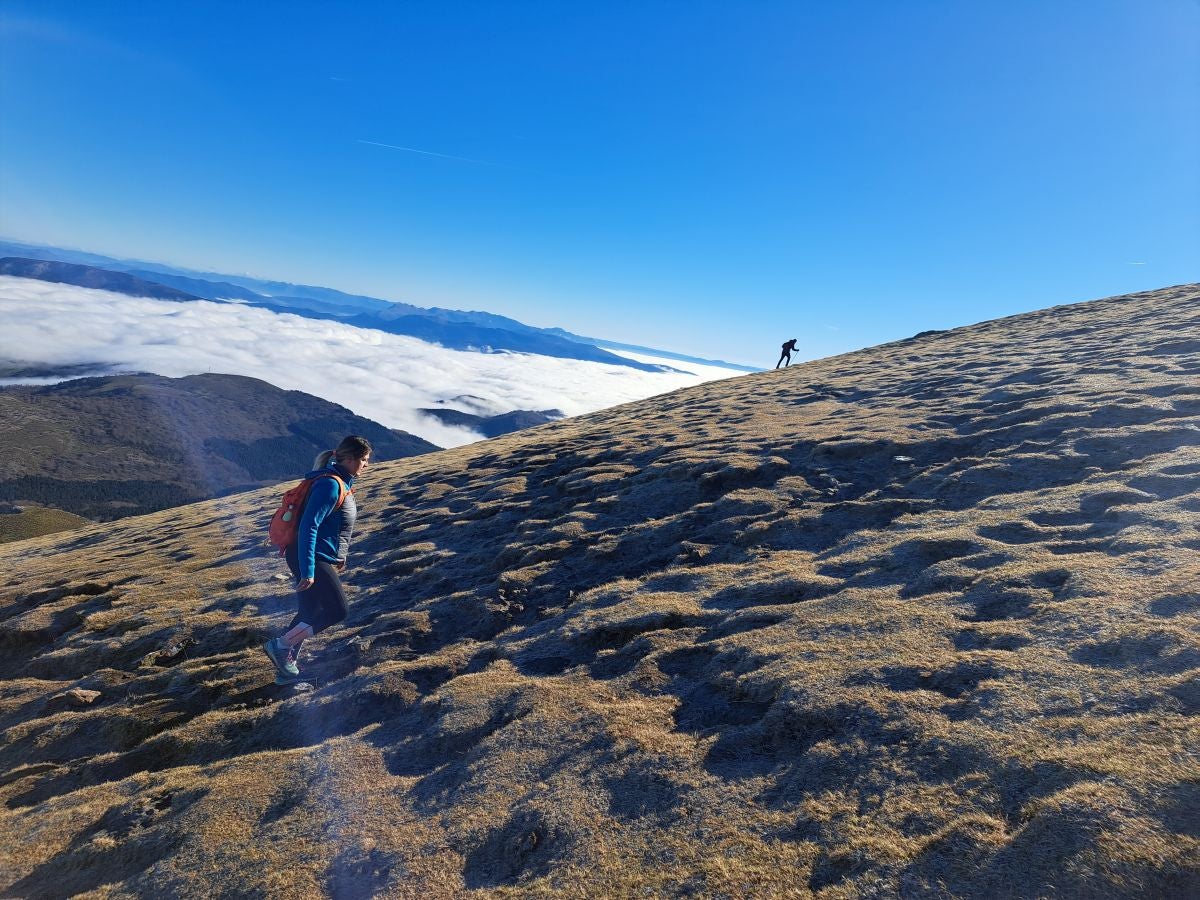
{"points": [[324, 603]]}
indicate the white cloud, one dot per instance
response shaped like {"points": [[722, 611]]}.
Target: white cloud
{"points": [[382, 376], [701, 371]]}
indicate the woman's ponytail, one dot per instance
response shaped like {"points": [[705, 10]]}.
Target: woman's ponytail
{"points": [[322, 459]]}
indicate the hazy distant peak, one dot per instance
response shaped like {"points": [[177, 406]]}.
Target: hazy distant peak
{"points": [[89, 276]]}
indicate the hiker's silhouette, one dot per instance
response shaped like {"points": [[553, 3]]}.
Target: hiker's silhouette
{"points": [[785, 358]]}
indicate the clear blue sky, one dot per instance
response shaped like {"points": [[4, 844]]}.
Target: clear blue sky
{"points": [[705, 177]]}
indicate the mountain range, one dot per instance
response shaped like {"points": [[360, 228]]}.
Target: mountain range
{"points": [[91, 277], [455, 329], [915, 621]]}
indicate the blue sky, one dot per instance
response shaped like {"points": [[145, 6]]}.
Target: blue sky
{"points": [[710, 178]]}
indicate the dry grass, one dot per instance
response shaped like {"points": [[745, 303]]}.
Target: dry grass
{"points": [[36, 521], [720, 643]]}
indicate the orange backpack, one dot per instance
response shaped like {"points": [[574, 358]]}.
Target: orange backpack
{"points": [[285, 522]]}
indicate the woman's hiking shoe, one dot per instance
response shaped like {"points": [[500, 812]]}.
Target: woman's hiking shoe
{"points": [[285, 676], [282, 659]]}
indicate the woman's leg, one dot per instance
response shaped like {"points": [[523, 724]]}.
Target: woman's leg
{"points": [[298, 629], [317, 608], [330, 606], [320, 606], [283, 650]]}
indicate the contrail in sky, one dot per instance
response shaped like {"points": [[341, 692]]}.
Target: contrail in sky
{"points": [[479, 162]]}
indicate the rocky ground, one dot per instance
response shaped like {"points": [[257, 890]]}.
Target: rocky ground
{"points": [[920, 620]]}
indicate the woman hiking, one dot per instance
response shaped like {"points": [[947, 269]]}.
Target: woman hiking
{"points": [[319, 551]]}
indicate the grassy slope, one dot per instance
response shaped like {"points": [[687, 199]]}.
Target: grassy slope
{"points": [[722, 642], [36, 521]]}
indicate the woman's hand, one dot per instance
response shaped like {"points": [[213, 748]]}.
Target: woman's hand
{"points": [[304, 584], [340, 566]]}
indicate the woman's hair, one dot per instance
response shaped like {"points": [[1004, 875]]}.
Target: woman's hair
{"points": [[351, 447]]}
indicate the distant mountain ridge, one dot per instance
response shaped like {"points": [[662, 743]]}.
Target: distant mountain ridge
{"points": [[26, 369], [444, 327], [91, 277], [454, 329], [128, 444], [494, 426]]}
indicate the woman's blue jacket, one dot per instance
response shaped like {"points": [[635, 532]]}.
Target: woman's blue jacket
{"points": [[323, 533]]}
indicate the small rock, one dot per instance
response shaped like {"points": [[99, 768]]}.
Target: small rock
{"points": [[902, 458], [280, 577], [82, 696], [174, 652], [302, 687]]}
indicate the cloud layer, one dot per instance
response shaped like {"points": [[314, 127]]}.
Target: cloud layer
{"points": [[382, 376]]}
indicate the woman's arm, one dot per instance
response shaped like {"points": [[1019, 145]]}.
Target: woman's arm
{"points": [[322, 497]]}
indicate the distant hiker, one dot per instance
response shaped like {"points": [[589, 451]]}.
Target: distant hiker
{"points": [[785, 358], [318, 552]]}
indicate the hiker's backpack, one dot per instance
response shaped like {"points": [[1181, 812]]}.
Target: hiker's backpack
{"points": [[285, 522]]}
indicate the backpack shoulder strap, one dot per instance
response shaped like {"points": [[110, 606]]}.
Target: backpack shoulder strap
{"points": [[342, 489]]}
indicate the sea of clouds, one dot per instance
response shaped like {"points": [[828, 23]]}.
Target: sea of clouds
{"points": [[382, 376]]}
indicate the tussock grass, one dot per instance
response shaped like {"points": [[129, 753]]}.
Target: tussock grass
{"points": [[920, 620]]}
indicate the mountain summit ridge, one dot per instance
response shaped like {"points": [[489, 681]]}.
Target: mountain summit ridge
{"points": [[915, 620]]}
